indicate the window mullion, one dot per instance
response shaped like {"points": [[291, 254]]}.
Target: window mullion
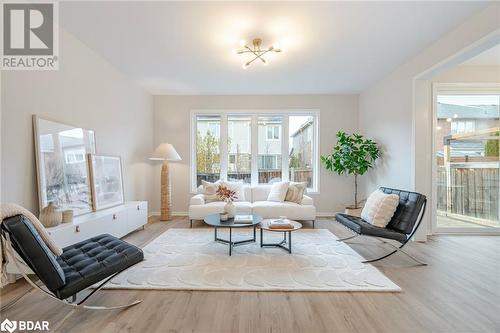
{"points": [[285, 150], [223, 147], [255, 150]]}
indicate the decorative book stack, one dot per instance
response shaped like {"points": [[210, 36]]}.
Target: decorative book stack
{"points": [[243, 219], [280, 224]]}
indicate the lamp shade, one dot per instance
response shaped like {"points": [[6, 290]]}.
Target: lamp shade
{"points": [[165, 152]]}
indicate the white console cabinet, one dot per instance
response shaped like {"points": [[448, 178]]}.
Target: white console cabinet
{"points": [[117, 221]]}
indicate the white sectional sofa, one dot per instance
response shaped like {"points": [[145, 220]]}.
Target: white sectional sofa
{"points": [[255, 202]]}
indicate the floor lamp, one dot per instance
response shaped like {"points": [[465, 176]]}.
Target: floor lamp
{"points": [[165, 152]]}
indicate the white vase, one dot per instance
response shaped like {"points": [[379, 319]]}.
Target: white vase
{"points": [[230, 209]]}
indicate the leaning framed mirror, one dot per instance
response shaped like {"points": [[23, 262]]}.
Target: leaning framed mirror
{"points": [[61, 160]]}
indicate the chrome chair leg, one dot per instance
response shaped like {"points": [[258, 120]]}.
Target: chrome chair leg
{"points": [[396, 249], [344, 239]]}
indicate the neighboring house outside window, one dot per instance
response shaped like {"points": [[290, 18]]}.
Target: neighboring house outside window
{"points": [[273, 132]]}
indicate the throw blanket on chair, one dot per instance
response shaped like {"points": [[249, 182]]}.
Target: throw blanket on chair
{"points": [[9, 210]]}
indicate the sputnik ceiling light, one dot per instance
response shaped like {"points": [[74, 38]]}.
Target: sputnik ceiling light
{"points": [[257, 52]]}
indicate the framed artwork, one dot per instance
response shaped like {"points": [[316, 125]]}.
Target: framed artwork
{"points": [[106, 181], [62, 171]]}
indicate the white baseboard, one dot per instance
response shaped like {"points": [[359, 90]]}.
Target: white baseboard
{"points": [[173, 214]]}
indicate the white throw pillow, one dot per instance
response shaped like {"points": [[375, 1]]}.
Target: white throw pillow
{"points": [[210, 191], [295, 192], [236, 187], [278, 192], [380, 208]]}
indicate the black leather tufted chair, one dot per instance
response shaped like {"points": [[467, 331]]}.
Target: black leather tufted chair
{"points": [[80, 266], [401, 228]]}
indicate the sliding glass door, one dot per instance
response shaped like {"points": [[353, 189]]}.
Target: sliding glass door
{"points": [[466, 146]]}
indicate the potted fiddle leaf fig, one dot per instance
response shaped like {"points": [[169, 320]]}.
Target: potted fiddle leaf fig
{"points": [[353, 155]]}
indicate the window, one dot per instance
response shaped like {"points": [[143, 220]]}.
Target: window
{"points": [[270, 149], [269, 162], [466, 158], [301, 142], [74, 156], [461, 127], [260, 147], [239, 143], [207, 148], [273, 132]]}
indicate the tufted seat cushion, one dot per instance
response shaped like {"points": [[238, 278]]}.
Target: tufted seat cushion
{"points": [[90, 261], [360, 226]]}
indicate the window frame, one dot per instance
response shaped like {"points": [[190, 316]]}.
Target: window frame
{"points": [[284, 138]]}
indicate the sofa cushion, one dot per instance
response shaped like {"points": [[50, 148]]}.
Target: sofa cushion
{"points": [[237, 187], [278, 191], [198, 212], [292, 210], [260, 193], [296, 191], [248, 192], [210, 191]]}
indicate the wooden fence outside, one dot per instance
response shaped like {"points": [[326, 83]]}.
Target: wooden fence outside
{"points": [[474, 191], [265, 176]]}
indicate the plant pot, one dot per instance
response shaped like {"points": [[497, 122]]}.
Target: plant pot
{"points": [[230, 209], [353, 211]]}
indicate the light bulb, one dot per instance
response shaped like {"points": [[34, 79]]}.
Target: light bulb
{"points": [[242, 43], [245, 65], [455, 115], [448, 120]]}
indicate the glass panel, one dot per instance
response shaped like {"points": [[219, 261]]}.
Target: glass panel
{"points": [[301, 145], [207, 149], [62, 165], [269, 159], [467, 161], [239, 145]]}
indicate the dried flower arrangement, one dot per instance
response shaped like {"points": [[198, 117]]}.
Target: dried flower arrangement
{"points": [[226, 194]]}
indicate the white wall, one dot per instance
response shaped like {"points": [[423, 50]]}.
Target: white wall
{"points": [[172, 124], [386, 108], [86, 91]]}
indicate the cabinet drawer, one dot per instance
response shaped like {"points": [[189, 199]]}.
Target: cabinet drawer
{"points": [[137, 215], [65, 235]]}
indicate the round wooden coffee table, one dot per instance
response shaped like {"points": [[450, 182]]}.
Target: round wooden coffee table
{"points": [[264, 225]]}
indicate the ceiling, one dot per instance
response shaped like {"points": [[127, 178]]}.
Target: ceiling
{"points": [[330, 47], [490, 57]]}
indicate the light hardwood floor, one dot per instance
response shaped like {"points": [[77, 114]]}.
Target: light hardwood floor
{"points": [[459, 291]]}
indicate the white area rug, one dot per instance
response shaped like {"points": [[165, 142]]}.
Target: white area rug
{"points": [[190, 259]]}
